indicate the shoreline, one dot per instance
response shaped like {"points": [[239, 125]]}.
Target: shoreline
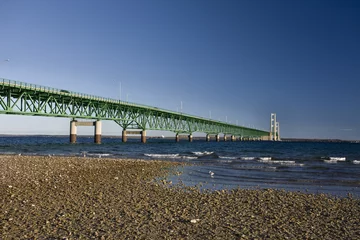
{"points": [[76, 197]]}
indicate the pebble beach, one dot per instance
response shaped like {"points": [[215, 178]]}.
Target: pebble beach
{"points": [[49, 197]]}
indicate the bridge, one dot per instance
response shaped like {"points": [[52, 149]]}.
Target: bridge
{"points": [[22, 98]]}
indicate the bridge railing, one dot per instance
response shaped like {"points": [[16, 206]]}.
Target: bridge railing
{"points": [[35, 87]]}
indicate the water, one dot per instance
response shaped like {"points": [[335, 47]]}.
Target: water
{"points": [[332, 168]]}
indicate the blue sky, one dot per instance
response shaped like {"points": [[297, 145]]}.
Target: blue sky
{"points": [[240, 59]]}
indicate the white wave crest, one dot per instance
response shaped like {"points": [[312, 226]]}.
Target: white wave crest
{"points": [[99, 154], [265, 158], [202, 153], [356, 162], [247, 158], [337, 158], [331, 161], [188, 157], [223, 157], [282, 162], [162, 155]]}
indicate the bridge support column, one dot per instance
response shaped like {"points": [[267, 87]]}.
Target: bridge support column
{"points": [[177, 138], [217, 138], [73, 131], [143, 136], [124, 136], [233, 138], [190, 138], [207, 137], [97, 137], [225, 138]]}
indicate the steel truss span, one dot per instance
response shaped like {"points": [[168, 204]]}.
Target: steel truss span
{"points": [[33, 100]]}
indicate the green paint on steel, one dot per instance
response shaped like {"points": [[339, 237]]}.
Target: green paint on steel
{"points": [[33, 100]]}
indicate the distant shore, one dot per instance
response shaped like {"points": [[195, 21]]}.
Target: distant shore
{"points": [[71, 197]]}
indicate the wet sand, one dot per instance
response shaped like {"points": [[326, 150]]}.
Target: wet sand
{"points": [[89, 198]]}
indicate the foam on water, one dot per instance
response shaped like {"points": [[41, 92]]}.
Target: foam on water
{"points": [[265, 158], [247, 158], [331, 161], [188, 157], [223, 157], [356, 162], [202, 153], [161, 155], [337, 158], [99, 154], [282, 162]]}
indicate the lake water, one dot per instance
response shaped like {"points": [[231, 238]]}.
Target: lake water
{"points": [[332, 168]]}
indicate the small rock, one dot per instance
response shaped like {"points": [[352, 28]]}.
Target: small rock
{"points": [[195, 220]]}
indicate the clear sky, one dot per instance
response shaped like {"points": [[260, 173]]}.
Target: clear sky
{"points": [[240, 59]]}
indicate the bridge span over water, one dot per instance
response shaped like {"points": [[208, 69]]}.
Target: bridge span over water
{"points": [[20, 98]]}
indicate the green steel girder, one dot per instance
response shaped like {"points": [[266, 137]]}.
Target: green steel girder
{"points": [[33, 100]]}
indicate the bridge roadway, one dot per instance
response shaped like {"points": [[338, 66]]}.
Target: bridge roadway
{"points": [[21, 98]]}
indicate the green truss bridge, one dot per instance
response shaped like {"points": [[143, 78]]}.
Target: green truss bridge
{"points": [[21, 98]]}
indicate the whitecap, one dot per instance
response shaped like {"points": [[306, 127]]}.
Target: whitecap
{"points": [[331, 161], [162, 155], [337, 158], [282, 162], [356, 162], [99, 154], [265, 158], [202, 153], [223, 157], [247, 158], [188, 157]]}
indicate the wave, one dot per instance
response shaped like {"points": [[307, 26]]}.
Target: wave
{"points": [[202, 153], [247, 158], [162, 155], [337, 158], [356, 162], [188, 157], [265, 158], [331, 161], [231, 158], [225, 161], [98, 154], [282, 162]]}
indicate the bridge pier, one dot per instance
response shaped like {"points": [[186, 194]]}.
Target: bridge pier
{"points": [[124, 136], [143, 136], [73, 131], [190, 138], [217, 137], [207, 137], [97, 136], [233, 139], [177, 138], [225, 138]]}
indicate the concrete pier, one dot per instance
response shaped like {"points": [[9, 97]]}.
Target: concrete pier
{"points": [[97, 136], [225, 138], [217, 137], [177, 138], [124, 136], [233, 138], [143, 136], [190, 138], [207, 137], [73, 131]]}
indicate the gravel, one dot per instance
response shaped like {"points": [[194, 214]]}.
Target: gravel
{"points": [[43, 197]]}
